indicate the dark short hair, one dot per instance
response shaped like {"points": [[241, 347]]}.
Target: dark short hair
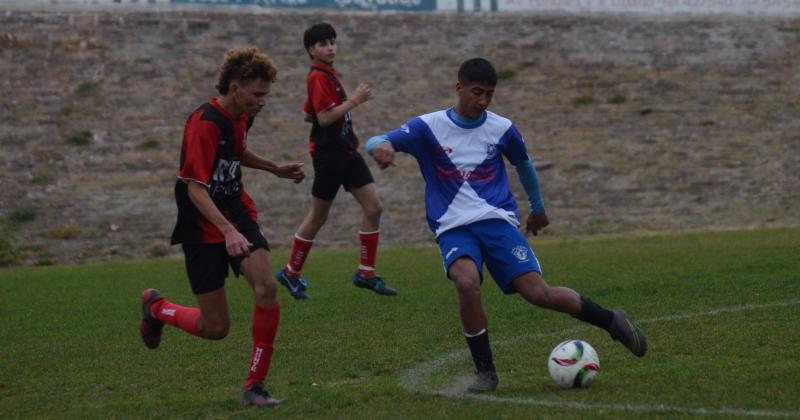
{"points": [[245, 65], [477, 70], [318, 32]]}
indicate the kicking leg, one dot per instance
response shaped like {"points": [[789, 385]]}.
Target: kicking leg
{"points": [[532, 287], [210, 320], [535, 290], [207, 267]]}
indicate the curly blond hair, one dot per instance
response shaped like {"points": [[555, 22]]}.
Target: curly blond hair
{"points": [[245, 65]]}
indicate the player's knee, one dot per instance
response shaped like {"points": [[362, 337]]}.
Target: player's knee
{"points": [[265, 291], [468, 286], [539, 296], [216, 330], [374, 211]]}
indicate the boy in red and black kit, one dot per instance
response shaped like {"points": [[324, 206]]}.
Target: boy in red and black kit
{"points": [[218, 222], [336, 163]]}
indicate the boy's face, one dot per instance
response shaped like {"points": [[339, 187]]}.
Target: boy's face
{"points": [[474, 98], [323, 51], [250, 96]]}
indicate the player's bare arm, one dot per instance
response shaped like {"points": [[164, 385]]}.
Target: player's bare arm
{"points": [[293, 171], [384, 154], [235, 242], [333, 114], [536, 222]]}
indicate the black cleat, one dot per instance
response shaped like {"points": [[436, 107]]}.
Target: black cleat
{"points": [[485, 381], [375, 284], [150, 327], [622, 329], [257, 396]]}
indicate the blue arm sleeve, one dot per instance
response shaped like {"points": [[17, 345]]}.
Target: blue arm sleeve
{"points": [[374, 142], [530, 182]]}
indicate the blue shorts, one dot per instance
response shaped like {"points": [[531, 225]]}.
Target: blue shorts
{"points": [[503, 248]]}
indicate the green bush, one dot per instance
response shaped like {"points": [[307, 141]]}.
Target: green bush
{"points": [[7, 254], [22, 215], [42, 175], [582, 101], [68, 232], [80, 139], [87, 89], [506, 74], [616, 99]]}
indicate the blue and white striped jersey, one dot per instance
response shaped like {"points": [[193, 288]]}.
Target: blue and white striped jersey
{"points": [[462, 164]]}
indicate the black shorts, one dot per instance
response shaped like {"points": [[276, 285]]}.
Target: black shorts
{"points": [[334, 168], [207, 264]]}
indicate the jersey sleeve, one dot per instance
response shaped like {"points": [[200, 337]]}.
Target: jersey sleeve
{"points": [[321, 94], [199, 151], [513, 146], [409, 138]]}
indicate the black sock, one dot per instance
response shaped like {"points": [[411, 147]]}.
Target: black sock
{"points": [[595, 314], [481, 351]]}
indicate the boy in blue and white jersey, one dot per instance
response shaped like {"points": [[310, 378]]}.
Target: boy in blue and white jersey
{"points": [[475, 218]]}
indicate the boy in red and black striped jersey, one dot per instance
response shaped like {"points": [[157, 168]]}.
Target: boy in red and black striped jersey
{"points": [[334, 151], [217, 220]]}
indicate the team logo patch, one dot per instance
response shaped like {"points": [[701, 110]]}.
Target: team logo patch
{"points": [[452, 250], [444, 150], [404, 128], [491, 150], [521, 253]]}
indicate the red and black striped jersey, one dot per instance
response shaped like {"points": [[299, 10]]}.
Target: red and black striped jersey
{"points": [[325, 91], [211, 153]]}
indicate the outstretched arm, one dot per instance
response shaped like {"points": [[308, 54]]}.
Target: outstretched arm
{"points": [[382, 150], [292, 171], [537, 219]]}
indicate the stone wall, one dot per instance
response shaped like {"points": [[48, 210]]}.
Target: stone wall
{"points": [[643, 124]]}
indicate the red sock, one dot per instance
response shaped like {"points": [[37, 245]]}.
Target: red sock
{"points": [[369, 253], [300, 250], [265, 326], [178, 316]]}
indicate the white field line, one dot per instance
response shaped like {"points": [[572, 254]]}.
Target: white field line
{"points": [[412, 379]]}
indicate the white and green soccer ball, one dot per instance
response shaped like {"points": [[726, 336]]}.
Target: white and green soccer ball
{"points": [[573, 364]]}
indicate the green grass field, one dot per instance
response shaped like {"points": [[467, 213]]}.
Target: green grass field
{"points": [[720, 310]]}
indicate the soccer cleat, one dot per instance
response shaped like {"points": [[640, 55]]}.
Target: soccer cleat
{"points": [[375, 284], [296, 287], [485, 381], [150, 327], [257, 396], [622, 329]]}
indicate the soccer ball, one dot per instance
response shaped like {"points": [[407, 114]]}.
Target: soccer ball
{"points": [[573, 364]]}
